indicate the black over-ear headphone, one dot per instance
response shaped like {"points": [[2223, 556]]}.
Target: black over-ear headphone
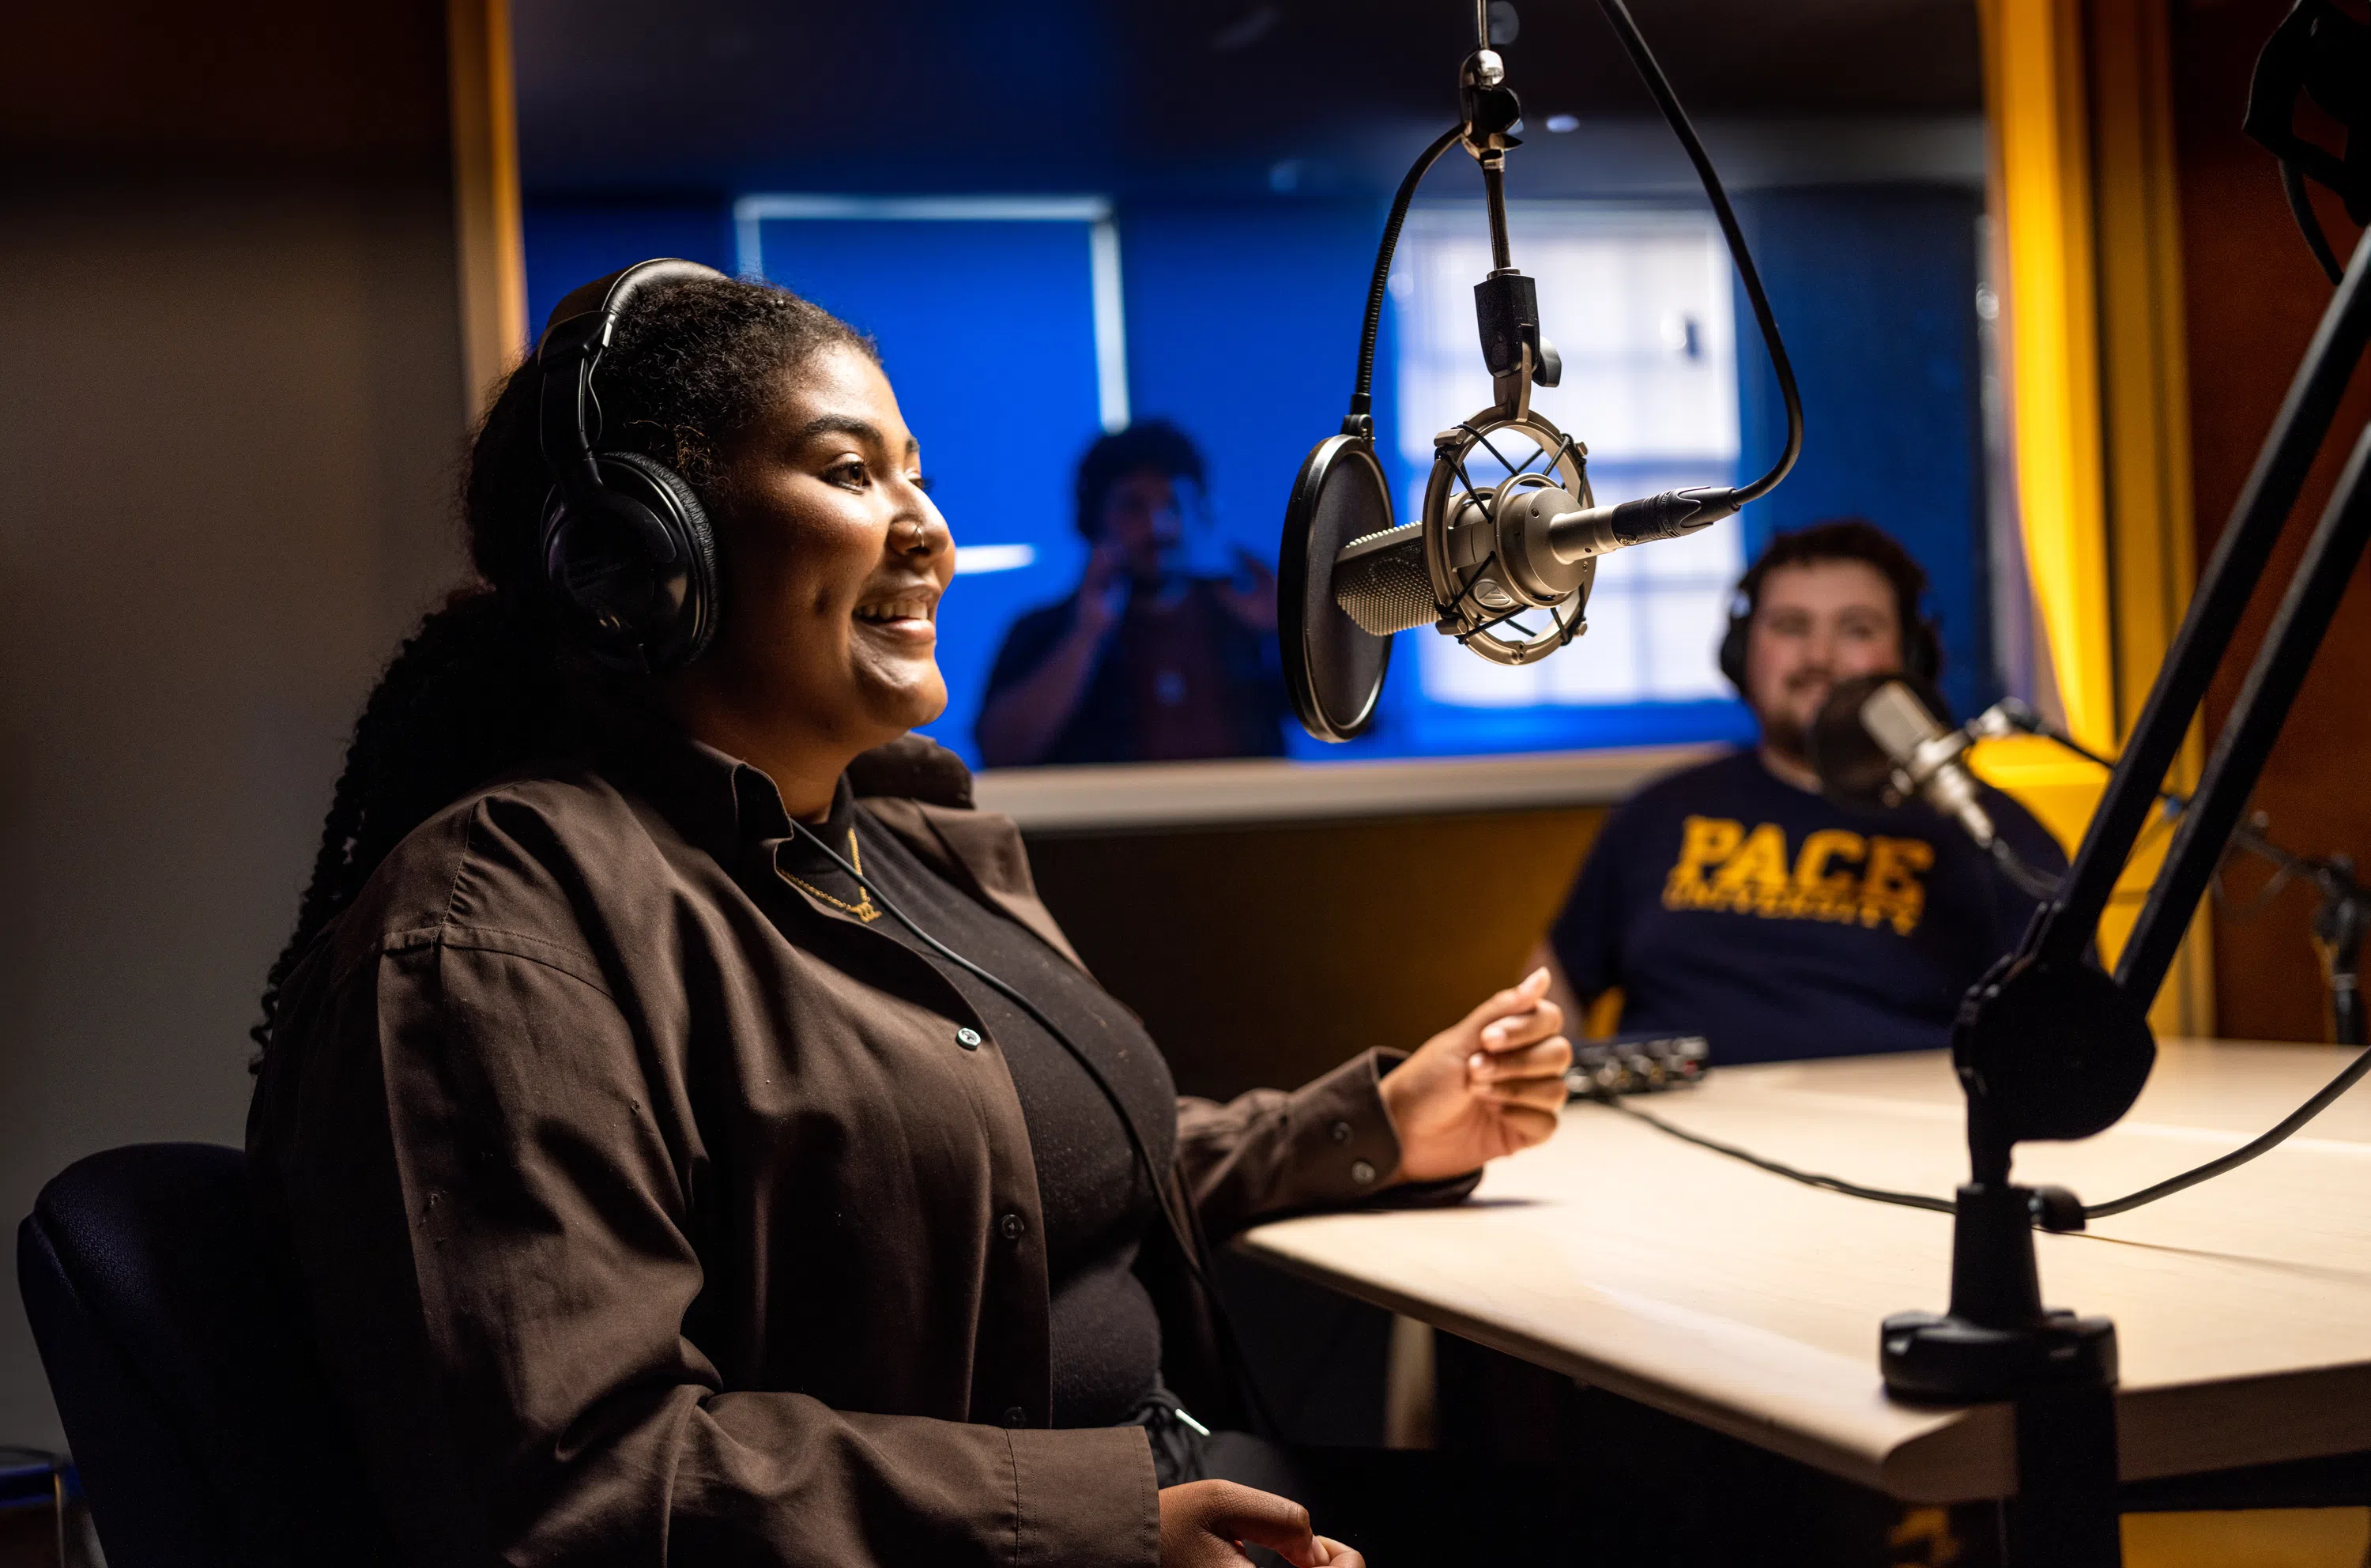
{"points": [[1922, 643], [627, 552]]}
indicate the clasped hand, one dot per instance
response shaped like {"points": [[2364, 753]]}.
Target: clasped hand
{"points": [[1206, 1523]]}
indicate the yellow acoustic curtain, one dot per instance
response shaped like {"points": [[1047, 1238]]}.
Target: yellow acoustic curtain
{"points": [[2088, 256]]}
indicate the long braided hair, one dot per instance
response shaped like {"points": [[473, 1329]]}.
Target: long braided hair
{"points": [[486, 682]]}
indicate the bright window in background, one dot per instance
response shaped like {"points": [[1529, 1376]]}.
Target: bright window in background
{"points": [[1639, 303], [1000, 324]]}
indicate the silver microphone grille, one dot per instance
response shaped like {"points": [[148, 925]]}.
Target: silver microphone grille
{"points": [[1380, 582], [1898, 720]]}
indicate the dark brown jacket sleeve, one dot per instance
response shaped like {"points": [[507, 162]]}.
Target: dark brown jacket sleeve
{"points": [[494, 1202], [1325, 1144]]}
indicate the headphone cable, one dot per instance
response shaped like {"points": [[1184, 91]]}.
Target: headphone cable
{"points": [[1192, 1243]]}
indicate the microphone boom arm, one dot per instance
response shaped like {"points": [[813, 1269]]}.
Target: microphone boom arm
{"points": [[2048, 1046]]}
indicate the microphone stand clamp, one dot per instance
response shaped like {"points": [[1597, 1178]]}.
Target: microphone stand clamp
{"points": [[2054, 1050], [1506, 302]]}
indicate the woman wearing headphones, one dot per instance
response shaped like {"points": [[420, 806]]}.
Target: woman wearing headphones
{"points": [[690, 1139]]}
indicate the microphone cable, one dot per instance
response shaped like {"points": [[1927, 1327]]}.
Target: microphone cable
{"points": [[2309, 225], [2035, 884], [1361, 393], [1659, 86], [1635, 42], [1192, 1242], [1776, 1168], [2323, 1099]]}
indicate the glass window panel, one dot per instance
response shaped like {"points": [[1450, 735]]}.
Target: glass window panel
{"points": [[1683, 627], [1636, 301], [1602, 666], [1449, 674]]}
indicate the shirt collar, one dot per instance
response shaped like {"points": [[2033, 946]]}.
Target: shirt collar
{"points": [[727, 806], [715, 800]]}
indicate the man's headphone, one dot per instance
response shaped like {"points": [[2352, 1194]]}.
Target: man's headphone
{"points": [[1922, 640], [628, 551]]}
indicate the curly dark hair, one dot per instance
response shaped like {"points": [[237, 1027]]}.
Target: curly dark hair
{"points": [[1154, 447], [1841, 538], [486, 682]]}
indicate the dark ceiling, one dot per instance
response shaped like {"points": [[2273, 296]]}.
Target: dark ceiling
{"points": [[953, 95]]}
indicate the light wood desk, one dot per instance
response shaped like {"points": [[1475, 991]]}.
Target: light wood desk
{"points": [[1750, 1303]]}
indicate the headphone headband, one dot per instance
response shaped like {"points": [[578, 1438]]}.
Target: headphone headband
{"points": [[574, 336]]}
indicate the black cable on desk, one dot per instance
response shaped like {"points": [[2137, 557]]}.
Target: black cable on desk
{"points": [[1808, 1177], [2328, 1095], [2246, 1152]]}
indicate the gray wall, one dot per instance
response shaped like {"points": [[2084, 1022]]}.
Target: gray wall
{"points": [[230, 408]]}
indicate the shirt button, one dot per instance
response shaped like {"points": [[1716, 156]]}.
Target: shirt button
{"points": [[968, 1038], [1016, 1416], [1362, 1172], [1012, 1227], [1340, 1131]]}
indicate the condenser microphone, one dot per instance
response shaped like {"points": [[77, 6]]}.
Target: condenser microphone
{"points": [[1926, 757], [1536, 549], [1877, 742], [1523, 538], [1852, 769]]}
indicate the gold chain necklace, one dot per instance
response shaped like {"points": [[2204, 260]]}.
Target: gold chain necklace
{"points": [[863, 908]]}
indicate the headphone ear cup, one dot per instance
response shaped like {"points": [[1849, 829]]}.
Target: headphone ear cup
{"points": [[1923, 656], [635, 565], [1732, 647], [673, 499]]}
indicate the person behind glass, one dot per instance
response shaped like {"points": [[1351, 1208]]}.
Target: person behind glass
{"points": [[1735, 901], [650, 1197], [1145, 661]]}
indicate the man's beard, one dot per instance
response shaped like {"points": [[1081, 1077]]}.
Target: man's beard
{"points": [[1781, 730], [1782, 735]]}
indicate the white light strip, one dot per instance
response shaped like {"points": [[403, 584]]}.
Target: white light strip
{"points": [[976, 209], [750, 214], [1111, 324], [973, 559]]}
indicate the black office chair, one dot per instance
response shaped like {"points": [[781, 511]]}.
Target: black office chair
{"points": [[201, 1427]]}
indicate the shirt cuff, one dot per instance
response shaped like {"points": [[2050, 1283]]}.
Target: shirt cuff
{"points": [[1344, 1148], [1084, 1496]]}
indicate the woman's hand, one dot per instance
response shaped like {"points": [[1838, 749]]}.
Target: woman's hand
{"points": [[1204, 1524], [1490, 1085]]}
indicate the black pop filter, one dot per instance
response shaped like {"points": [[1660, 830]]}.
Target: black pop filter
{"points": [[1854, 770], [1332, 668]]}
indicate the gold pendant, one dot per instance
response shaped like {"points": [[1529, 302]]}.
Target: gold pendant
{"points": [[864, 908]]}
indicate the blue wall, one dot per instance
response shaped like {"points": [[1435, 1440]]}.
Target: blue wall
{"points": [[570, 243], [1875, 292], [1242, 325]]}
